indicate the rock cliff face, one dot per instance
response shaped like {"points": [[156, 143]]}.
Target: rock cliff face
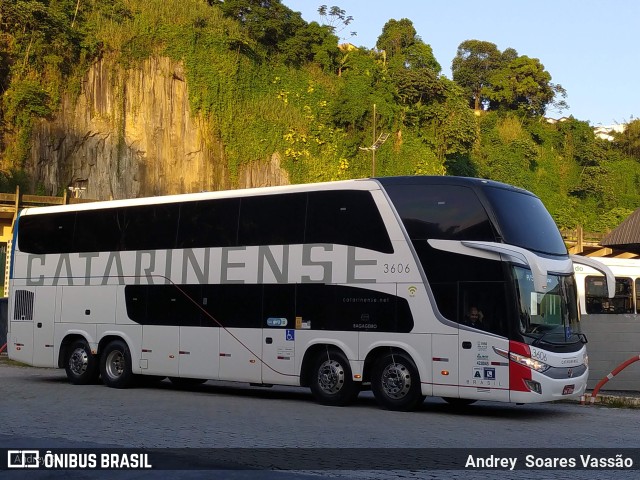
{"points": [[131, 133]]}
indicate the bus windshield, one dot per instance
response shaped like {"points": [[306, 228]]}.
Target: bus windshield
{"points": [[550, 317], [525, 222]]}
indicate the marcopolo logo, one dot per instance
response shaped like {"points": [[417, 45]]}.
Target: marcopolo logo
{"points": [[23, 459]]}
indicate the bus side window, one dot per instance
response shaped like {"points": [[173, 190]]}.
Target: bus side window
{"points": [[97, 230], [623, 301], [272, 219], [42, 234], [149, 227], [596, 295], [596, 298], [346, 217], [482, 306], [209, 223]]}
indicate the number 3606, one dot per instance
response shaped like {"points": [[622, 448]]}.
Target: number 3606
{"points": [[396, 268]]}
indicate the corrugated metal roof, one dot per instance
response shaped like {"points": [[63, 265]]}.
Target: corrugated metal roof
{"points": [[626, 235]]}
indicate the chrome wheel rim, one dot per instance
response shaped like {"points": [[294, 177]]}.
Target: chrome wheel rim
{"points": [[79, 361], [396, 380], [330, 377], [115, 364]]}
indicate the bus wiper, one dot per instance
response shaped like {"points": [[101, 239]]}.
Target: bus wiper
{"points": [[581, 338]]}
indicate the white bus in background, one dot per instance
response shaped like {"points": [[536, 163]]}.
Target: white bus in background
{"points": [[592, 287], [335, 286], [611, 325]]}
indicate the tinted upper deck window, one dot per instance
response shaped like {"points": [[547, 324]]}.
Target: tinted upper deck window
{"points": [[448, 212], [42, 234], [98, 230], [346, 217], [272, 219], [150, 227], [209, 223]]}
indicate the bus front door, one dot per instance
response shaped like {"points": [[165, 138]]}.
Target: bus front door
{"points": [[484, 375]]}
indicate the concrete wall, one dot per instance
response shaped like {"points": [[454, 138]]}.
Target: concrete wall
{"points": [[612, 340], [3, 321]]}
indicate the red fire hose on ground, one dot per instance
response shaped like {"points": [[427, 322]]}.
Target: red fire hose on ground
{"points": [[3, 347], [613, 373]]}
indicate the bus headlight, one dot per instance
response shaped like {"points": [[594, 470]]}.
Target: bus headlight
{"points": [[529, 362]]}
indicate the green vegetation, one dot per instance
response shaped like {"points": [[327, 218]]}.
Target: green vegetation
{"points": [[270, 82]]}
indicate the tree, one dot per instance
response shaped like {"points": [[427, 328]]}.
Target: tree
{"points": [[474, 64], [312, 43], [629, 140], [417, 87], [335, 18], [396, 36], [403, 48], [268, 22], [351, 107], [450, 125], [411, 66], [522, 84]]}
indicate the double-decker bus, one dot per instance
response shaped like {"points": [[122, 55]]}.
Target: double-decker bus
{"points": [[335, 286]]}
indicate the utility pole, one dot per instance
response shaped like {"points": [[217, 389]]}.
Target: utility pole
{"points": [[377, 143], [373, 150]]}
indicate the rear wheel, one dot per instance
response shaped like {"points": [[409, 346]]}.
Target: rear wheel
{"points": [[80, 364], [115, 365], [331, 380], [395, 383]]}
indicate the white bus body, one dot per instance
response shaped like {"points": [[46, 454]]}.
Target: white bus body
{"points": [[335, 286], [612, 325]]}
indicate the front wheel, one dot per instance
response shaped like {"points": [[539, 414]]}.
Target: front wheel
{"points": [[332, 382], [115, 365], [80, 364], [395, 383]]}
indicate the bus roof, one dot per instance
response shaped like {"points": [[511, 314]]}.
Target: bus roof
{"points": [[356, 184], [359, 184], [449, 180]]}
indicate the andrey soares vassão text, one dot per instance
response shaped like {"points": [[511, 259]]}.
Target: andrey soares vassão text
{"points": [[585, 461]]}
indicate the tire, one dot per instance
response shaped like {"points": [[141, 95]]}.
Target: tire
{"points": [[331, 379], [396, 384], [80, 364], [459, 402], [183, 382], [115, 365]]}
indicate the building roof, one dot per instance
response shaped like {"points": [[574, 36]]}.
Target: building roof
{"points": [[625, 236]]}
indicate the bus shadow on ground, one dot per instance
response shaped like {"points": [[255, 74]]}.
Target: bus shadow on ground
{"points": [[479, 409]]}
